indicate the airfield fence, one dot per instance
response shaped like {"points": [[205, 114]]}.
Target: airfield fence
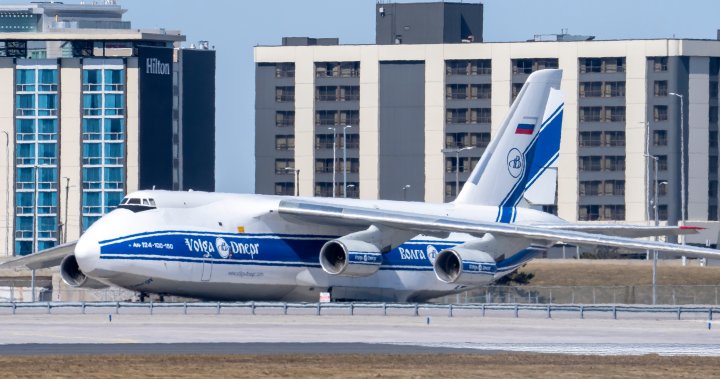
{"points": [[629, 295], [607, 311]]}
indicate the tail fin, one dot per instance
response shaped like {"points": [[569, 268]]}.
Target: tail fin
{"points": [[527, 143]]}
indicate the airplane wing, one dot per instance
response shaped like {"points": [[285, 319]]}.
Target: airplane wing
{"points": [[309, 211], [631, 231], [42, 259]]}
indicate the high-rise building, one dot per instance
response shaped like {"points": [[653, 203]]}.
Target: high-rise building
{"points": [[92, 110], [630, 104]]}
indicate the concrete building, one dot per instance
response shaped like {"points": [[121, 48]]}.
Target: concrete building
{"points": [[91, 110], [412, 104]]}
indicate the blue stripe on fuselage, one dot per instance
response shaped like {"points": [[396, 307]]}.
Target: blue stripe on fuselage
{"points": [[277, 250]]}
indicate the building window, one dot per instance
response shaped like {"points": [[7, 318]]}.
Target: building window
{"points": [[590, 114], [660, 64], [284, 166], [601, 212], [460, 140], [324, 189], [614, 163], [284, 94], [590, 89], [614, 188], [36, 158], [285, 70], [516, 87], [337, 93], [589, 188], [285, 142], [284, 119], [527, 66], [662, 162], [337, 69], [614, 89], [468, 67], [590, 139], [466, 164], [661, 88], [456, 91], [660, 138], [598, 65], [589, 212], [713, 139], [660, 113], [337, 118], [614, 139], [590, 163], [285, 188], [614, 114]]}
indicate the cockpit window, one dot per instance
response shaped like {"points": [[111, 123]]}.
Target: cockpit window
{"points": [[137, 204]]}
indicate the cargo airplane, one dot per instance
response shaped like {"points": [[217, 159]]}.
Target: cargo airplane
{"points": [[256, 247]]}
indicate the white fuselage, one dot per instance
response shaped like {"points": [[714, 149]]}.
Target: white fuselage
{"points": [[238, 247]]}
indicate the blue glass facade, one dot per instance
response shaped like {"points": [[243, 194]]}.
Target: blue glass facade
{"points": [[103, 140], [36, 157]]}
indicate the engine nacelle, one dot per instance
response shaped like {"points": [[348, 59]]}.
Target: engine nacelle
{"points": [[464, 266], [73, 276], [350, 257]]}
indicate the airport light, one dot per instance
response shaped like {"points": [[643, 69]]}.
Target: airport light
{"points": [[682, 161], [345, 159], [334, 157], [296, 179], [457, 152], [404, 189], [67, 198], [657, 223]]}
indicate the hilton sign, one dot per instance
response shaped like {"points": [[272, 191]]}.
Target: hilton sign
{"points": [[156, 67]]}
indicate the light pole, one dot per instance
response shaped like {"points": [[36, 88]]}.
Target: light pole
{"points": [[334, 157], [296, 179], [657, 222], [7, 193], [682, 160], [404, 189], [67, 198], [457, 164], [345, 159]]}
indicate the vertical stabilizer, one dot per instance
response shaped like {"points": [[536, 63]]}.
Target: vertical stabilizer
{"points": [[527, 144]]}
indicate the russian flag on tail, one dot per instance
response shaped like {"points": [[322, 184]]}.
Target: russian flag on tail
{"points": [[525, 129]]}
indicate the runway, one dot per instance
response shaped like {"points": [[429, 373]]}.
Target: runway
{"points": [[160, 333]]}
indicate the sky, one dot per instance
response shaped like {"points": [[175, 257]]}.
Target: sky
{"points": [[235, 27]]}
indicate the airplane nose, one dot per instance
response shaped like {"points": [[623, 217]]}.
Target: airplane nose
{"points": [[87, 252]]}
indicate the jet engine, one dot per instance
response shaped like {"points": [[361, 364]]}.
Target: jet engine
{"points": [[73, 276], [464, 266], [350, 257]]}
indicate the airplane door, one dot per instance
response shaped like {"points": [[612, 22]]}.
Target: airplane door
{"points": [[206, 268]]}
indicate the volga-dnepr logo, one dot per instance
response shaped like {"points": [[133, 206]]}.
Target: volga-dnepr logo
{"points": [[156, 67], [515, 162]]}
